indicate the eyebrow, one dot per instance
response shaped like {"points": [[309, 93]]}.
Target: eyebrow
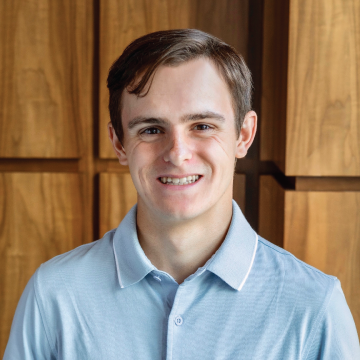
{"points": [[189, 117], [146, 120], [203, 115]]}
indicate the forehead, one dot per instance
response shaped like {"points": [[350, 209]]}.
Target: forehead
{"points": [[194, 86]]}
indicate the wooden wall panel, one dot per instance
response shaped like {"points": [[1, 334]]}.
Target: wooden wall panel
{"points": [[327, 183], [271, 210], [122, 21], [239, 190], [46, 74], [41, 216], [322, 92], [117, 196], [321, 228], [274, 81], [226, 19], [323, 132]]}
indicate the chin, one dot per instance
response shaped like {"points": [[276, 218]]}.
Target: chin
{"points": [[178, 211]]}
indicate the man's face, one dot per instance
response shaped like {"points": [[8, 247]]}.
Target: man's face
{"points": [[180, 141]]}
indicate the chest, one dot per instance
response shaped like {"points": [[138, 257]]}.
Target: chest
{"points": [[179, 323]]}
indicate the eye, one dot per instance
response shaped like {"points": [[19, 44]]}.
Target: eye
{"points": [[151, 131], [202, 127]]}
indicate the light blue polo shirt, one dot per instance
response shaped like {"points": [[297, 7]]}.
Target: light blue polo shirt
{"points": [[252, 300]]}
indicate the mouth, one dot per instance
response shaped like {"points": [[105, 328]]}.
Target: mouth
{"points": [[186, 180]]}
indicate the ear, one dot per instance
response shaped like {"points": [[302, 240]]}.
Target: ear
{"points": [[118, 148], [247, 134]]}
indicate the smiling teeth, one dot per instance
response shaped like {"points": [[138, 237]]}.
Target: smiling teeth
{"points": [[180, 181]]}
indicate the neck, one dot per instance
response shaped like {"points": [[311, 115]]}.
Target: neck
{"points": [[181, 247]]}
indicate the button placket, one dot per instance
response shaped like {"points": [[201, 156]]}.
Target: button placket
{"points": [[175, 320]]}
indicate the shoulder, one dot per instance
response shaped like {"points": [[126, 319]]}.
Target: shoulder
{"points": [[310, 303], [81, 265], [82, 255], [293, 270], [335, 335], [302, 292]]}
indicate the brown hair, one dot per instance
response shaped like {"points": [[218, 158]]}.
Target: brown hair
{"points": [[170, 48]]}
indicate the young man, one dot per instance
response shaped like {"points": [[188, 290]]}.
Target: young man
{"points": [[184, 276]]}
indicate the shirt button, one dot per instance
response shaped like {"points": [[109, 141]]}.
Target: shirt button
{"points": [[157, 278], [178, 320]]}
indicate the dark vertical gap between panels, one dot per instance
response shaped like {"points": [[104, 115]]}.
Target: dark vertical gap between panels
{"points": [[252, 168], [96, 220], [96, 81], [255, 45], [96, 76]]}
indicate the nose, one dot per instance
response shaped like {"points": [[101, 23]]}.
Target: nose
{"points": [[178, 150]]}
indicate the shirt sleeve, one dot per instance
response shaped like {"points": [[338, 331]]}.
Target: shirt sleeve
{"points": [[28, 339], [336, 336]]}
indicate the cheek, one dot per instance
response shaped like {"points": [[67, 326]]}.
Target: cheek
{"points": [[142, 160], [221, 151]]}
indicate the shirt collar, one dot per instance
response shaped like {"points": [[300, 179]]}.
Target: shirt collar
{"points": [[232, 262], [235, 257], [131, 262]]}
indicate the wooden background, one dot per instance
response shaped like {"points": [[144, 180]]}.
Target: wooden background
{"points": [[310, 128], [61, 186]]}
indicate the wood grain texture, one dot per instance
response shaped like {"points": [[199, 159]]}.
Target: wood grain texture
{"points": [[117, 196], [110, 165], [323, 229], [39, 165], [323, 101], [46, 74], [41, 216], [123, 21], [239, 190], [327, 183], [274, 81], [226, 19], [271, 210]]}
